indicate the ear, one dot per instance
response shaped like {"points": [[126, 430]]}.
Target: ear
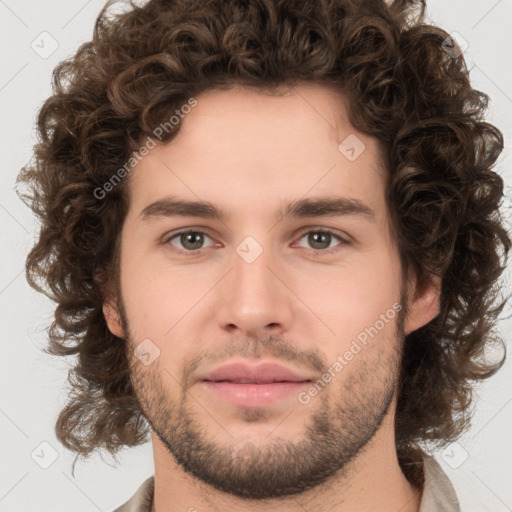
{"points": [[112, 316], [424, 297]]}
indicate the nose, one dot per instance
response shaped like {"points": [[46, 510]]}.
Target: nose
{"points": [[254, 298]]}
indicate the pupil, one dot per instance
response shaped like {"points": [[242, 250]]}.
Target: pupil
{"points": [[191, 236], [313, 239]]}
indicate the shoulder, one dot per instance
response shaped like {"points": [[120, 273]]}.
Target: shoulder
{"points": [[142, 500], [438, 492]]}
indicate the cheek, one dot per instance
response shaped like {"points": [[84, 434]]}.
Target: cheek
{"points": [[156, 299], [147, 312], [353, 298]]}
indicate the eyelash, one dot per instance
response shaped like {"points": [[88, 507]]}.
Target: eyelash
{"points": [[328, 231]]}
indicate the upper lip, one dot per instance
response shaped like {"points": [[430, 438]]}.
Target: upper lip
{"points": [[262, 373]]}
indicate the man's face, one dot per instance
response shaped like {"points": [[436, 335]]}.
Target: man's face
{"points": [[260, 288]]}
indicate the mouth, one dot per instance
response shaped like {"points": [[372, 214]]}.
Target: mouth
{"points": [[250, 393], [254, 385], [256, 381]]}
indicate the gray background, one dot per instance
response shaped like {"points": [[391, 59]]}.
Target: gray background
{"points": [[33, 386]]}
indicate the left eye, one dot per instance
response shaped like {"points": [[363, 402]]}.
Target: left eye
{"points": [[320, 237]]}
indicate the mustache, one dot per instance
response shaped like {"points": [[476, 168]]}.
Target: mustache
{"points": [[268, 346]]}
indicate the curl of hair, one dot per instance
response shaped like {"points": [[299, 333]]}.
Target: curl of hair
{"points": [[403, 89]]}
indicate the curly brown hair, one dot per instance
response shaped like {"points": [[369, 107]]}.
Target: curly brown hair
{"points": [[403, 89]]}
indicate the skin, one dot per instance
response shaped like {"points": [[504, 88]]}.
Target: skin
{"points": [[250, 154]]}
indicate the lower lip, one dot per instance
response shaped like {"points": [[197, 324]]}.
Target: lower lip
{"points": [[254, 395]]}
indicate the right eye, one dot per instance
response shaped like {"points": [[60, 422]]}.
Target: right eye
{"points": [[190, 239]]}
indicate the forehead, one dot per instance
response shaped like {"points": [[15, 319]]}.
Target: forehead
{"points": [[244, 150]]}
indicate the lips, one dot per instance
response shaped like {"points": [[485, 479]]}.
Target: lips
{"points": [[263, 373]]}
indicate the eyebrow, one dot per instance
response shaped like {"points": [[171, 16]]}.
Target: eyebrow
{"points": [[332, 206]]}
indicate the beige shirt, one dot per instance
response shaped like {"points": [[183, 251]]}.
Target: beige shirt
{"points": [[438, 494]]}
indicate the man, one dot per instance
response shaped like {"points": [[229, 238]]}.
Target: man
{"points": [[272, 231]]}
